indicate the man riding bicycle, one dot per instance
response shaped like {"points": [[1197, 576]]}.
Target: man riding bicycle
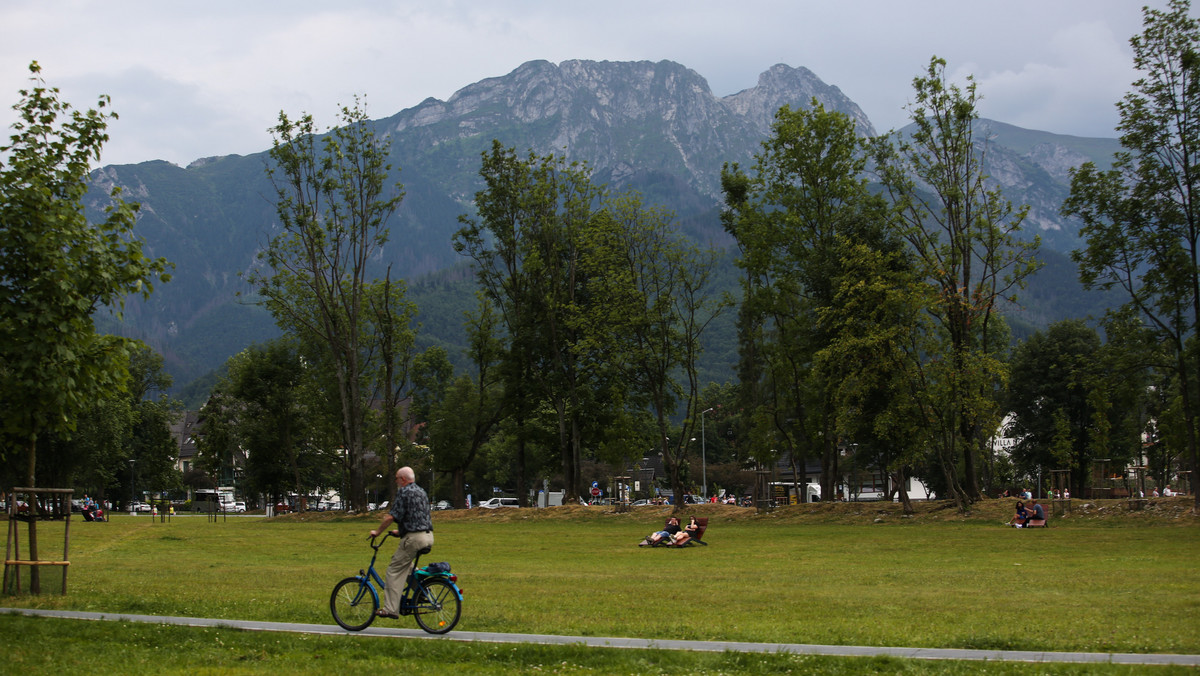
{"points": [[410, 511]]}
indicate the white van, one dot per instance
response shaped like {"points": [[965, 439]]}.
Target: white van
{"points": [[494, 503]]}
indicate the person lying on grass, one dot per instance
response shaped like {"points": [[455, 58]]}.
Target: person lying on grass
{"points": [[669, 532], [673, 534]]}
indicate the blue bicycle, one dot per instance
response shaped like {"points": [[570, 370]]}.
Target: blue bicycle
{"points": [[431, 596]]}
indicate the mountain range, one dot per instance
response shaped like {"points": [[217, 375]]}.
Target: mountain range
{"points": [[654, 127]]}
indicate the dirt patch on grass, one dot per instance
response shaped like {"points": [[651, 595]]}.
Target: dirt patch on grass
{"points": [[1163, 511]]}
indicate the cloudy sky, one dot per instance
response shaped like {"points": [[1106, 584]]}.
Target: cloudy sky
{"points": [[192, 79]]}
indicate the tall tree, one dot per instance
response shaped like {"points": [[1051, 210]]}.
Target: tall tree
{"points": [[150, 443], [1067, 401], [657, 302], [56, 271], [880, 328], [267, 383], [1142, 217], [476, 406], [333, 202], [964, 235], [392, 317], [525, 243], [792, 219]]}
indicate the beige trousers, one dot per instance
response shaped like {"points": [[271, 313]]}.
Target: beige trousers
{"points": [[400, 566]]}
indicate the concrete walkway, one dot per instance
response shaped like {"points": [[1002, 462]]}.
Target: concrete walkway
{"points": [[705, 646]]}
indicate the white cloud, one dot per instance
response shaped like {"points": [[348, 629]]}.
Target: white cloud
{"points": [[1074, 91], [198, 79]]}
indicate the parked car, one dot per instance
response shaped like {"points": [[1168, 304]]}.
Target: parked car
{"points": [[495, 503], [640, 503], [283, 508], [239, 507], [441, 504]]}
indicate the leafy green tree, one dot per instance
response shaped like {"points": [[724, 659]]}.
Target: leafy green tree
{"points": [[218, 454], [392, 316], [964, 236], [56, 271], [525, 241], [657, 303], [881, 327], [151, 445], [118, 427], [432, 377], [475, 405], [95, 458], [1142, 217], [333, 203], [1066, 401], [267, 381], [792, 219]]}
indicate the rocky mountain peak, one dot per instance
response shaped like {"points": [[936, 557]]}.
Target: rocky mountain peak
{"points": [[781, 84], [657, 116]]}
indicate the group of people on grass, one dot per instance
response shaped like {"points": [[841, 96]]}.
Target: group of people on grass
{"points": [[1026, 513], [91, 510], [672, 535]]}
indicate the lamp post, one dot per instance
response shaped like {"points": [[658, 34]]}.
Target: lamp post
{"points": [[704, 452], [432, 476], [131, 511]]}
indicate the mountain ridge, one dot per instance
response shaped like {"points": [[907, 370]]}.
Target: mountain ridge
{"points": [[655, 127]]}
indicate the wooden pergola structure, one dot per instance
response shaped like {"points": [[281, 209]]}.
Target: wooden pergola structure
{"points": [[58, 506]]}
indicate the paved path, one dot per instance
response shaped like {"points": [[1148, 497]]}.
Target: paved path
{"points": [[704, 646]]}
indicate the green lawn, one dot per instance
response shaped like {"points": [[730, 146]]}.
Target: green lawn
{"points": [[1088, 587]]}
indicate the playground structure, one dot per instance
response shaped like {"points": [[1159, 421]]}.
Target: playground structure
{"points": [[56, 505]]}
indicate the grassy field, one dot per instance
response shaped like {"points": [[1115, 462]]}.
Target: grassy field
{"points": [[1100, 580]]}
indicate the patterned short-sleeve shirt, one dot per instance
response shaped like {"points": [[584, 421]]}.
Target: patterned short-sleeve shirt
{"points": [[410, 509]]}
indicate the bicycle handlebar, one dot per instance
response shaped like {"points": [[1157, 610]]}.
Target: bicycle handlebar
{"points": [[385, 535]]}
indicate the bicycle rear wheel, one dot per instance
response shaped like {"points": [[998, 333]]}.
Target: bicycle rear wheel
{"points": [[353, 604], [437, 608]]}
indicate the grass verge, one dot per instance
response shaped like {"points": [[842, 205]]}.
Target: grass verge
{"points": [[1085, 585]]}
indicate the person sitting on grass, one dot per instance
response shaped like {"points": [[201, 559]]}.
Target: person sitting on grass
{"points": [[666, 533], [1034, 512], [1020, 517]]}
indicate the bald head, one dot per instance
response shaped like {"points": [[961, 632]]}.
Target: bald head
{"points": [[405, 476]]}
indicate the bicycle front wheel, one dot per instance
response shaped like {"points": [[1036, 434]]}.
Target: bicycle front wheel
{"points": [[438, 607], [353, 604]]}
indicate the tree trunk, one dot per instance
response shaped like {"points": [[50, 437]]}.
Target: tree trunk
{"points": [[458, 494], [900, 477], [796, 472], [522, 492], [829, 470], [35, 579]]}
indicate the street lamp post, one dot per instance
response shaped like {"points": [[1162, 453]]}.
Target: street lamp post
{"points": [[432, 469], [131, 461], [704, 452]]}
